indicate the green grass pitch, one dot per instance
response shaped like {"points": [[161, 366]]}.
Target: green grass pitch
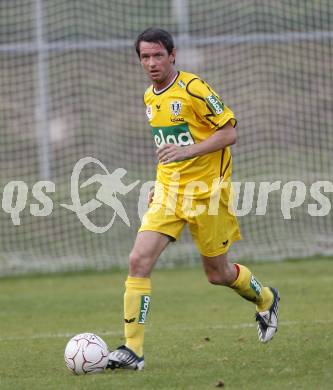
{"points": [[197, 334]]}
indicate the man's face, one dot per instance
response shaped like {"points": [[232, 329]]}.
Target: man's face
{"points": [[156, 61]]}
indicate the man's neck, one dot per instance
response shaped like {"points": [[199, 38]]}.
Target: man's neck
{"points": [[160, 87]]}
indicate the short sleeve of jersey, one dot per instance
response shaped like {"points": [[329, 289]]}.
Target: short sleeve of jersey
{"points": [[208, 106], [145, 94]]}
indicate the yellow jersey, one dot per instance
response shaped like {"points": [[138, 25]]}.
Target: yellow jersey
{"points": [[187, 112]]}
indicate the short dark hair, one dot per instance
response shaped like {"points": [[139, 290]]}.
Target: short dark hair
{"points": [[156, 35]]}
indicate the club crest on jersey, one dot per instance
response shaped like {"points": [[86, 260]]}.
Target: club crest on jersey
{"points": [[176, 107], [149, 112]]}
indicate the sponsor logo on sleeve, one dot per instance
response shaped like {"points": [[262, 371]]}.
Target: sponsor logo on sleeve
{"points": [[215, 104]]}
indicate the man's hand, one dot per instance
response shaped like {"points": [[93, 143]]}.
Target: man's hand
{"points": [[168, 153]]}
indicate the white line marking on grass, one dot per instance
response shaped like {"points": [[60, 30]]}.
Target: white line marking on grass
{"points": [[252, 325], [120, 333], [56, 335]]}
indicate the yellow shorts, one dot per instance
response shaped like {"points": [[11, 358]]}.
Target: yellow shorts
{"points": [[212, 226]]}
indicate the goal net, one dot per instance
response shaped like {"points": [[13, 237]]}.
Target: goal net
{"points": [[71, 91]]}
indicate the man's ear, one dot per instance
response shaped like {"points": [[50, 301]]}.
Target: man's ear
{"points": [[173, 56]]}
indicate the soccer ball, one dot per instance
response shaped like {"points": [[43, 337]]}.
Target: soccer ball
{"points": [[86, 353]]}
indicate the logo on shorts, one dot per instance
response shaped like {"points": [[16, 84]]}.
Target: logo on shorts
{"points": [[145, 301], [215, 104], [255, 285]]}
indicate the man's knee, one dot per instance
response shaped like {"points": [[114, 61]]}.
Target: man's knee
{"points": [[217, 278], [135, 259], [220, 271], [139, 263]]}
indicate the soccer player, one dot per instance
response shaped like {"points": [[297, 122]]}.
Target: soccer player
{"points": [[193, 130]]}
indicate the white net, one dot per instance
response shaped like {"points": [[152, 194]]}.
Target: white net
{"points": [[71, 87]]}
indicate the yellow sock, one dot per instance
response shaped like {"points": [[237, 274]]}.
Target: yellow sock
{"points": [[251, 289], [136, 305]]}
